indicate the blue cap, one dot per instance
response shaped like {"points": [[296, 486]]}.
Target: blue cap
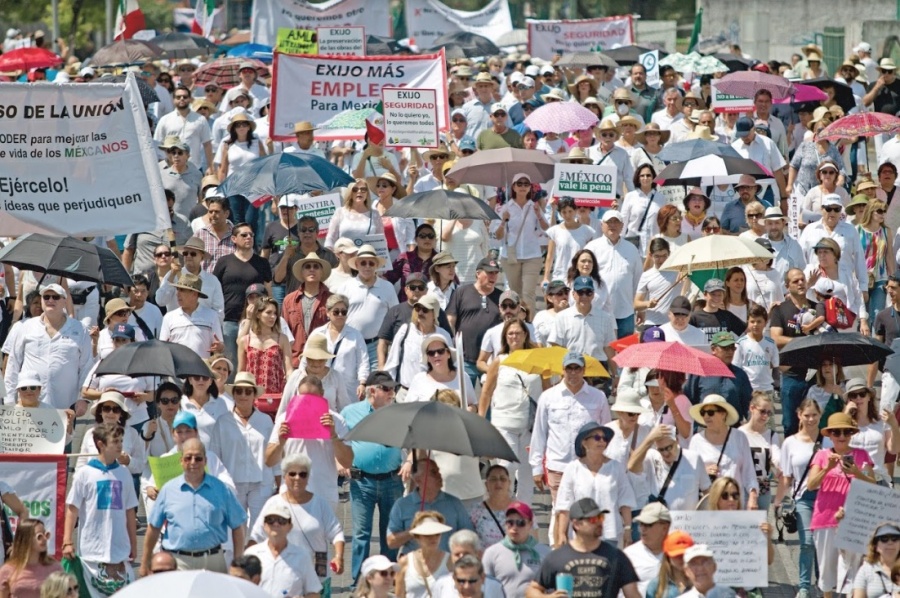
{"points": [[582, 282], [743, 126], [466, 143], [185, 419], [654, 334], [573, 358], [122, 331]]}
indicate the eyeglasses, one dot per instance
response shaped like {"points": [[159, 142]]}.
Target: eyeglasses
{"points": [[182, 97], [766, 412], [168, 400], [841, 432], [30, 388], [828, 171], [190, 253], [198, 378], [242, 124], [384, 388], [312, 266], [880, 212], [584, 292], [710, 412], [516, 523], [122, 312], [339, 312], [421, 309], [416, 287], [436, 352], [297, 474], [832, 209], [426, 236], [175, 152], [359, 190], [753, 216], [858, 394], [366, 263], [731, 495], [386, 573], [505, 305], [193, 458], [110, 409], [523, 183], [665, 449], [245, 235], [309, 229], [467, 581], [574, 368], [72, 590], [607, 135], [712, 229], [238, 391], [275, 520], [165, 254], [499, 114]]}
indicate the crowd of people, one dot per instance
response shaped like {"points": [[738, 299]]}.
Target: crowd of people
{"points": [[282, 305]]}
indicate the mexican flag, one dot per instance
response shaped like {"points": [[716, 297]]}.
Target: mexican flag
{"points": [[375, 124], [129, 19], [204, 15]]}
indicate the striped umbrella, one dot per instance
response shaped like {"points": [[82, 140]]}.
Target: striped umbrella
{"points": [[225, 72]]}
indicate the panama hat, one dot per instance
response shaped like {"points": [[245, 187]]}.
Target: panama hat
{"points": [[190, 282], [111, 396], [576, 155], [582, 78], [297, 268], [702, 132], [715, 401], [114, 305], [663, 135], [245, 379], [366, 251], [628, 401], [839, 421], [316, 348], [240, 117], [399, 190]]}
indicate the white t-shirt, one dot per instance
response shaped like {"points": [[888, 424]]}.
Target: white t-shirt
{"points": [[766, 452], [102, 499], [690, 336], [493, 339], [795, 455], [688, 481], [291, 573], [757, 359], [566, 244], [658, 285], [423, 387], [645, 563], [621, 446]]}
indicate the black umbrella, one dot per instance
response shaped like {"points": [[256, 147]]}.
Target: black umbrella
{"points": [[850, 348], [153, 358], [377, 45], [184, 45], [843, 95], [148, 94], [628, 55], [67, 257], [433, 426], [733, 62], [443, 204], [463, 44], [695, 148], [892, 364]]}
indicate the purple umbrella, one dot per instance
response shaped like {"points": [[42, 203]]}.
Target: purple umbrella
{"points": [[561, 117], [745, 84], [804, 93]]}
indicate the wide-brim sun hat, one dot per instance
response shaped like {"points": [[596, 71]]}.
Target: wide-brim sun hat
{"points": [[297, 268], [366, 251], [433, 338], [317, 348], [839, 421], [245, 379], [430, 527], [715, 400], [111, 396]]}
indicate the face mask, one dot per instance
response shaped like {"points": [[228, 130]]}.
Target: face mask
{"points": [[622, 109]]}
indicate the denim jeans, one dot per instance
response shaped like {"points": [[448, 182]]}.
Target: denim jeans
{"points": [[278, 292], [365, 494], [230, 332], [804, 536], [877, 299], [372, 352], [472, 372], [793, 390], [625, 326]]}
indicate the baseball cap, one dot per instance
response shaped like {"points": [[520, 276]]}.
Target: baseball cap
{"points": [[713, 284], [585, 508], [380, 378], [764, 242], [527, 83], [573, 358], [55, 288], [824, 286], [547, 70], [466, 143], [379, 562], [695, 551], [212, 192], [515, 77], [681, 306], [345, 245], [520, 508], [459, 112], [610, 214], [723, 338], [256, 289], [183, 418], [122, 331], [676, 543], [497, 107], [582, 282], [510, 295], [743, 126], [653, 512], [415, 277], [863, 47], [556, 286], [277, 509], [654, 334], [488, 264], [532, 70], [832, 199]]}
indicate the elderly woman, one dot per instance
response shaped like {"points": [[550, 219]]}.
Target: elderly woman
{"points": [[596, 476], [874, 578], [346, 343], [754, 213], [201, 398], [831, 472], [725, 451], [404, 360], [416, 260], [440, 372], [878, 433], [314, 362], [827, 174], [355, 219], [315, 524]]}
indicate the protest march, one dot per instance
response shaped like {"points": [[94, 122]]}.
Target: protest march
{"points": [[437, 300]]}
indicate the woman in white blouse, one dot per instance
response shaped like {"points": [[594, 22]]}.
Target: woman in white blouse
{"points": [[443, 277], [404, 360], [239, 147], [356, 219], [878, 432], [351, 359], [639, 207]]}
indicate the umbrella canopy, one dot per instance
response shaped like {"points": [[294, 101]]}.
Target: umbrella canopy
{"points": [[148, 94], [851, 348], [692, 171], [184, 45], [67, 257], [732, 61], [745, 84], [192, 584], [224, 71], [349, 124], [672, 357], [693, 63], [864, 124], [628, 55], [561, 117], [153, 358], [443, 204], [586, 59], [547, 361], [466, 44], [282, 173], [24, 59], [695, 148], [802, 94], [497, 166], [126, 52], [433, 426], [716, 252], [843, 94], [377, 45]]}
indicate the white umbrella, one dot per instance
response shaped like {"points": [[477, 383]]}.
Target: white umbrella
{"points": [[716, 252], [191, 584]]}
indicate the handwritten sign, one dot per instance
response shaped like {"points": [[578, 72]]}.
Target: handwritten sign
{"points": [[590, 185], [303, 414], [296, 41], [33, 430], [165, 468], [322, 208], [348, 41], [674, 194], [410, 117], [867, 506], [736, 540], [723, 102]]}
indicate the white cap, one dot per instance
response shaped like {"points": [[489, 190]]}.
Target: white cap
{"points": [[345, 245], [547, 70], [289, 200], [29, 379], [697, 550], [55, 288], [863, 47], [610, 214], [497, 106], [526, 82], [278, 509], [832, 199], [212, 192], [379, 562], [12, 32], [87, 71], [824, 286], [515, 77], [532, 70]]}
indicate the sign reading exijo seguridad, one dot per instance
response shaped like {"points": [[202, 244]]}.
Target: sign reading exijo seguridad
{"points": [[410, 117]]}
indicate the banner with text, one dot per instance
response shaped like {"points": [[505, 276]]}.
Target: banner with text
{"points": [[723, 102], [867, 506], [270, 15], [410, 117], [316, 88], [342, 41], [546, 38], [33, 430], [427, 20], [322, 208], [78, 159], [40, 483], [590, 185]]}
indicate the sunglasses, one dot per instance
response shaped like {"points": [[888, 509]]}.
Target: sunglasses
{"points": [[508, 306], [359, 190], [386, 573], [160, 79], [421, 309], [312, 266], [238, 391], [523, 183], [574, 368], [731, 495], [416, 287], [711, 229], [190, 253], [339, 312], [599, 437], [439, 157], [245, 235], [458, 120], [367, 263], [383, 388], [436, 352], [110, 409], [753, 216], [242, 124], [426, 236], [30, 388], [166, 254], [182, 97], [467, 581], [385, 185], [198, 378], [297, 474], [858, 394], [175, 152], [516, 523], [169, 400], [499, 114], [193, 458], [710, 412], [46, 536], [122, 312], [607, 135], [841, 432], [832, 209], [889, 538], [880, 212], [584, 292], [72, 590], [273, 520], [309, 229], [831, 172]]}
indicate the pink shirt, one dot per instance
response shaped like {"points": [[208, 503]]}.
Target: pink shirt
{"points": [[28, 583], [835, 486]]}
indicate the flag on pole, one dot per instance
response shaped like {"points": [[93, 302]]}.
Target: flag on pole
{"points": [[375, 124], [695, 34], [129, 19], [204, 14]]}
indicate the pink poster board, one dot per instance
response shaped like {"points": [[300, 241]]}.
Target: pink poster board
{"points": [[303, 415]]}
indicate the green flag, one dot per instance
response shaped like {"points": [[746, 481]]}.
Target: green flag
{"points": [[695, 34]]}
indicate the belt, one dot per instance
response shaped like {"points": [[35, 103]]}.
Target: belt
{"points": [[377, 476], [369, 341], [210, 551]]}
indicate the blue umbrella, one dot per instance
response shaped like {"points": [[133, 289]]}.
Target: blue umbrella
{"points": [[282, 173], [257, 51], [695, 148]]}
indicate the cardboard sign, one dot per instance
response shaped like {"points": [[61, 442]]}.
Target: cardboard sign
{"points": [[650, 62], [271, 15], [546, 38], [723, 102], [322, 208], [867, 506], [590, 185], [427, 20], [40, 483], [37, 431], [410, 117], [165, 469], [296, 41], [349, 41], [303, 414], [734, 537]]}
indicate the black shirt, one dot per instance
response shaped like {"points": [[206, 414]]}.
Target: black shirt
{"points": [[722, 319], [887, 325], [601, 573], [236, 275], [401, 314], [475, 314], [275, 239], [888, 99], [786, 316]]}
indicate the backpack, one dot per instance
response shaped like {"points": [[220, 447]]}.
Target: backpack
{"points": [[837, 315]]}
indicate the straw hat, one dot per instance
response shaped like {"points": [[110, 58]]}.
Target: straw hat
{"points": [[622, 94], [366, 251], [702, 132], [714, 400], [111, 396], [811, 49], [297, 268], [629, 120], [432, 338], [114, 305], [628, 401], [241, 117], [190, 282], [607, 125], [199, 103], [592, 100], [195, 243], [399, 190], [303, 126], [554, 94], [441, 149], [839, 421], [663, 135], [576, 155], [245, 379], [858, 200], [316, 348], [813, 57], [441, 259], [430, 527], [573, 87]]}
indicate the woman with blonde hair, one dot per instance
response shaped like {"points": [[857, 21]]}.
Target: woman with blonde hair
{"points": [[876, 239], [355, 219], [765, 445], [672, 580], [421, 568], [29, 564], [874, 578], [376, 578], [265, 351], [60, 585]]}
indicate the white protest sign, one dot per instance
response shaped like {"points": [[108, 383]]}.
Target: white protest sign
{"points": [[36, 431], [78, 159], [650, 62], [322, 208], [344, 41], [674, 194], [723, 102], [427, 20], [316, 88], [735, 538], [40, 483], [867, 506], [410, 117], [379, 244], [795, 212], [590, 185], [546, 38], [269, 15]]}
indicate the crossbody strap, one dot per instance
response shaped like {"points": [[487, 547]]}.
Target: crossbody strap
{"points": [[646, 210], [724, 444], [816, 448], [494, 517], [665, 484]]}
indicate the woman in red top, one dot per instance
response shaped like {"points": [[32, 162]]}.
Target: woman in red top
{"points": [[265, 351]]}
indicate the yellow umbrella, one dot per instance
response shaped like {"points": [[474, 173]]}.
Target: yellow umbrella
{"points": [[547, 361]]}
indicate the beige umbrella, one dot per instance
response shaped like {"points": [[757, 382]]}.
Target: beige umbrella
{"points": [[716, 252]]}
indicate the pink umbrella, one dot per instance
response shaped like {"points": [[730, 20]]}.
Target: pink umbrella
{"points": [[745, 84], [865, 124], [673, 357], [561, 117], [24, 59], [804, 93]]}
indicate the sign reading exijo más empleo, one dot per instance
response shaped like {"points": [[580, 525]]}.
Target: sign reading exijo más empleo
{"points": [[590, 185], [410, 117]]}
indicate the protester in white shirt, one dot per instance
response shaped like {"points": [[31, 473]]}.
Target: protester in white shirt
{"points": [[755, 353]]}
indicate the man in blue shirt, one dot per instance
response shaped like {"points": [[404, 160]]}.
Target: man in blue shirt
{"points": [[737, 390], [374, 476], [198, 510]]}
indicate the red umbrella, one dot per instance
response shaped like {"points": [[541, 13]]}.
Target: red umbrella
{"points": [[672, 357], [24, 59], [225, 71], [864, 124], [745, 84]]}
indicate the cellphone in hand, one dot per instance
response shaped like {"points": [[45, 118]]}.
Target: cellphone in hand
{"points": [[847, 461]]}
